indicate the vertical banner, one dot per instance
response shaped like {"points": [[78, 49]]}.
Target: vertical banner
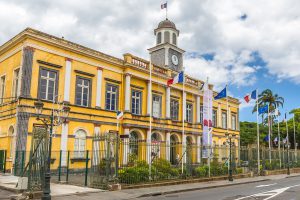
{"points": [[207, 120]]}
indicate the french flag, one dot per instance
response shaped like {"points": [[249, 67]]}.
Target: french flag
{"points": [[177, 79], [164, 5]]}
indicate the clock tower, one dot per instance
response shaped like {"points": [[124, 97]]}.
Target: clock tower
{"points": [[166, 53]]}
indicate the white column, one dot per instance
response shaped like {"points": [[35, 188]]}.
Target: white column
{"points": [[96, 148], [168, 143], [149, 98], [168, 101], [184, 148], [68, 72], [229, 116], [99, 87], [166, 56], [198, 108], [64, 143], [198, 149], [126, 146], [148, 146], [184, 106], [127, 92], [219, 119]]}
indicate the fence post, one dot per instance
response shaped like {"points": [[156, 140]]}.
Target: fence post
{"points": [[22, 162], [15, 163], [4, 166], [117, 156], [86, 167], [59, 166], [68, 160]]}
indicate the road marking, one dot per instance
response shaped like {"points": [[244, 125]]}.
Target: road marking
{"points": [[259, 186], [269, 194]]}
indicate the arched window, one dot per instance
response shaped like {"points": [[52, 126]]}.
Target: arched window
{"points": [[158, 38], [174, 39], [133, 143], [80, 143], [167, 36]]}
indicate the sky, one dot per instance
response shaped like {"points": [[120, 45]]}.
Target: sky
{"points": [[247, 44]]}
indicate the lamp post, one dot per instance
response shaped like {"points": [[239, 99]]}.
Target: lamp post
{"points": [[230, 136], [50, 123], [288, 159]]}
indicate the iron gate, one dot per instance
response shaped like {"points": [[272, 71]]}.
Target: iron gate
{"points": [[104, 166]]}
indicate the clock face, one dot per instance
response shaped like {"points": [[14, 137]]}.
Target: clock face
{"points": [[174, 59]]}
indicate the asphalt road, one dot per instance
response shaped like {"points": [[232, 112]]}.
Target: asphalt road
{"points": [[280, 189]]}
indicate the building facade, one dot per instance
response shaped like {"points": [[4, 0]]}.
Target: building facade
{"points": [[38, 66]]}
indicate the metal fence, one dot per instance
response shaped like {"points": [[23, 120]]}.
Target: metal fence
{"points": [[135, 162]]}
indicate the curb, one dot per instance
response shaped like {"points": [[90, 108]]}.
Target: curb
{"points": [[199, 188], [15, 190]]}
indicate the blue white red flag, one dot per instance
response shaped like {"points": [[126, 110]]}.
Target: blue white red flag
{"points": [[254, 94], [177, 79], [120, 115]]}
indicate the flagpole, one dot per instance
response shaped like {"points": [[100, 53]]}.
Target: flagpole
{"points": [[295, 148], [258, 150], [150, 119], [167, 10], [227, 108], [183, 119], [270, 159], [279, 141], [288, 146], [208, 132]]}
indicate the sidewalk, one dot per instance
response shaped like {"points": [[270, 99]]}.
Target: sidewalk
{"points": [[8, 182], [154, 191]]}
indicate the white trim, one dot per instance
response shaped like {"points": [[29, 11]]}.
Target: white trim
{"points": [[168, 102], [127, 92], [99, 88], [68, 72]]}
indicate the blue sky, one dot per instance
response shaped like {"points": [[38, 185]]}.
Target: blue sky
{"points": [[249, 44]]}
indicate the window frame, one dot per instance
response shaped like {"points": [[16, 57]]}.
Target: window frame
{"points": [[78, 152], [235, 127], [189, 116], [89, 100], [214, 118], [159, 38], [117, 96], [55, 95], [226, 125], [176, 118], [16, 82], [2, 88], [201, 113], [140, 99], [160, 105]]}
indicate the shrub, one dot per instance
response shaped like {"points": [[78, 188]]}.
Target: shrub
{"points": [[133, 175], [239, 170], [201, 171]]}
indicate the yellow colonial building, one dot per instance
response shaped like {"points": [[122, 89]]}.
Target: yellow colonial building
{"points": [[38, 66]]}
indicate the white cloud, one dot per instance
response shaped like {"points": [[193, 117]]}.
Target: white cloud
{"points": [[116, 27]]}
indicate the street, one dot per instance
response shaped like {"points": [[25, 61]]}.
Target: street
{"points": [[275, 189], [280, 189]]}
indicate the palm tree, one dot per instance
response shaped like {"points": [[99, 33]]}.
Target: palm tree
{"points": [[267, 97]]}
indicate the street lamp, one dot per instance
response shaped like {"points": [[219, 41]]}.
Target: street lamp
{"points": [[230, 136], [288, 159], [53, 121]]}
